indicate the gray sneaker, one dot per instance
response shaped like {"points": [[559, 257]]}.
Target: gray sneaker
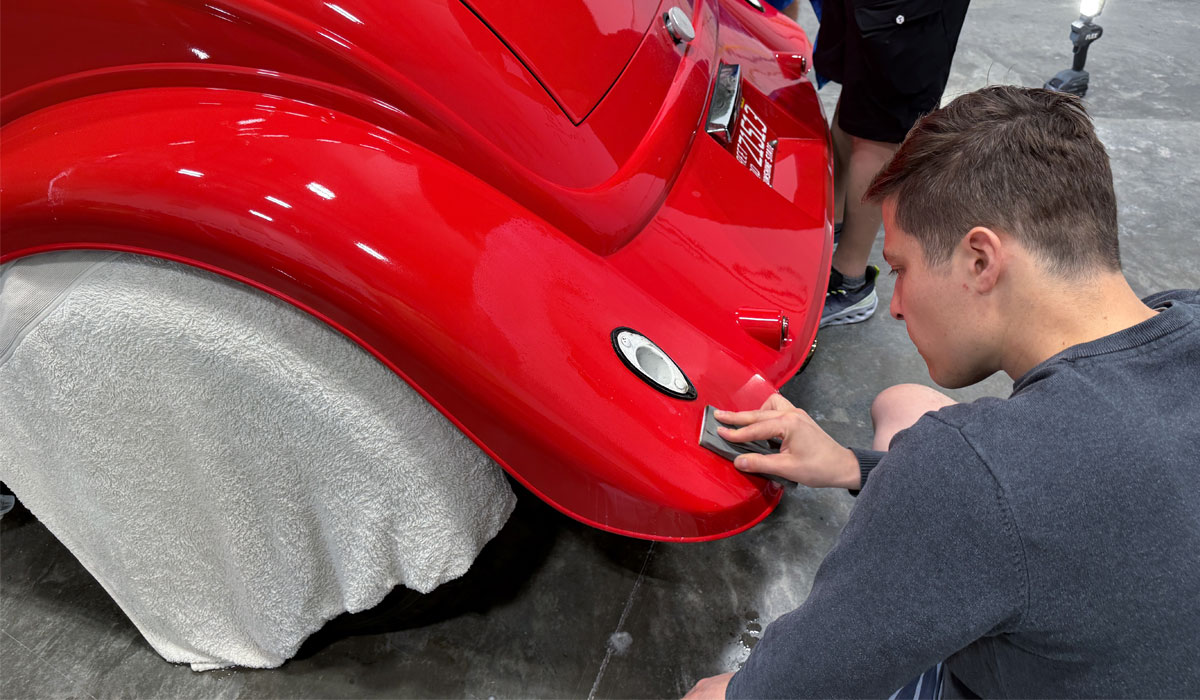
{"points": [[844, 306]]}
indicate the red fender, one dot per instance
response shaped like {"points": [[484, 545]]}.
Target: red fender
{"points": [[430, 71], [496, 317]]}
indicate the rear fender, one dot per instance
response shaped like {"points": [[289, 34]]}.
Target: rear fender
{"points": [[501, 321]]}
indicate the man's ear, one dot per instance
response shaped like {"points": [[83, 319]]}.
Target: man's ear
{"points": [[984, 251]]}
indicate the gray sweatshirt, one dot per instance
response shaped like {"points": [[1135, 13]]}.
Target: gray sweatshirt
{"points": [[1044, 545]]}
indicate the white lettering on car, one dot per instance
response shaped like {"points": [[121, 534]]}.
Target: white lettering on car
{"points": [[753, 151]]}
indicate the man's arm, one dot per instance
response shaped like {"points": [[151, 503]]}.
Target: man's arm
{"points": [[807, 455], [929, 562]]}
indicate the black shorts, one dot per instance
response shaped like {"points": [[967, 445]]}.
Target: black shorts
{"points": [[892, 58]]}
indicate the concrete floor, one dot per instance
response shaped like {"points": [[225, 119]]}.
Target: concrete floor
{"points": [[556, 609]]}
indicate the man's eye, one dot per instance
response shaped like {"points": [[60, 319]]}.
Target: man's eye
{"points": [[894, 271]]}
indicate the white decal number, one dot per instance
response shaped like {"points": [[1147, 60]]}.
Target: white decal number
{"points": [[753, 151]]}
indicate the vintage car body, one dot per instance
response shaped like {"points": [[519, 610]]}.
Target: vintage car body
{"points": [[478, 192]]}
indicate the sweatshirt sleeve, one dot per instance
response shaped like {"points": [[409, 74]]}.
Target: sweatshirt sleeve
{"points": [[867, 460], [929, 561]]}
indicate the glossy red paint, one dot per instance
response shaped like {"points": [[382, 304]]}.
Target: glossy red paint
{"points": [[399, 173], [576, 49]]}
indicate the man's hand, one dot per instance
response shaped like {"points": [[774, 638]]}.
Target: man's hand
{"points": [[710, 688], [808, 455]]}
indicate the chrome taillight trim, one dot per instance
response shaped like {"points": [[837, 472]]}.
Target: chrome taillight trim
{"points": [[726, 99]]}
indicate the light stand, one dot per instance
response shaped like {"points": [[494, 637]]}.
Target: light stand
{"points": [[1083, 32]]}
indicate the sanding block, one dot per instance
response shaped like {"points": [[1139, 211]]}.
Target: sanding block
{"points": [[730, 450]]}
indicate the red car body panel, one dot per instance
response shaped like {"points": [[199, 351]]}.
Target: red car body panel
{"points": [[402, 174], [575, 49]]}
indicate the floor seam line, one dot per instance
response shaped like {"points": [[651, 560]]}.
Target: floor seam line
{"points": [[621, 622]]}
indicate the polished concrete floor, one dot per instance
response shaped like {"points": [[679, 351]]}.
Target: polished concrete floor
{"points": [[556, 609]]}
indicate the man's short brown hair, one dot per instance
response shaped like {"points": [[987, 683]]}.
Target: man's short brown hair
{"points": [[1018, 160]]}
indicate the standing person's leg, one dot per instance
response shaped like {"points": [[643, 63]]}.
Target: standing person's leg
{"points": [[841, 164], [892, 70], [898, 407], [860, 222], [864, 139], [851, 297]]}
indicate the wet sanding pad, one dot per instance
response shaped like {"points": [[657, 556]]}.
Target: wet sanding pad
{"points": [[730, 450]]}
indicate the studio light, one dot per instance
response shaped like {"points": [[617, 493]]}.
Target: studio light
{"points": [[1091, 8], [1083, 32]]}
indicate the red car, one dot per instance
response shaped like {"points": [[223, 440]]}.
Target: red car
{"points": [[570, 225]]}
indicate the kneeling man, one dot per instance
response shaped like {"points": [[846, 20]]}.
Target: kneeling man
{"points": [[1043, 545]]}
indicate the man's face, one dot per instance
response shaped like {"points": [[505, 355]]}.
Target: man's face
{"points": [[937, 307]]}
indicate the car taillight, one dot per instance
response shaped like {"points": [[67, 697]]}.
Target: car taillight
{"points": [[651, 364]]}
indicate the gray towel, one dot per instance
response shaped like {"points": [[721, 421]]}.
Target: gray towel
{"points": [[230, 469]]}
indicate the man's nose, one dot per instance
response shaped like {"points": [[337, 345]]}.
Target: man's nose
{"points": [[894, 307]]}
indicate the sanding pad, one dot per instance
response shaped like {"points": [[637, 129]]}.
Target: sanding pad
{"points": [[730, 450]]}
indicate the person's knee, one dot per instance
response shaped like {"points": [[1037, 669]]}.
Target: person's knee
{"points": [[905, 403]]}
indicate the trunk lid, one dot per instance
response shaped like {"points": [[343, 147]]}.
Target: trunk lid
{"points": [[575, 49]]}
